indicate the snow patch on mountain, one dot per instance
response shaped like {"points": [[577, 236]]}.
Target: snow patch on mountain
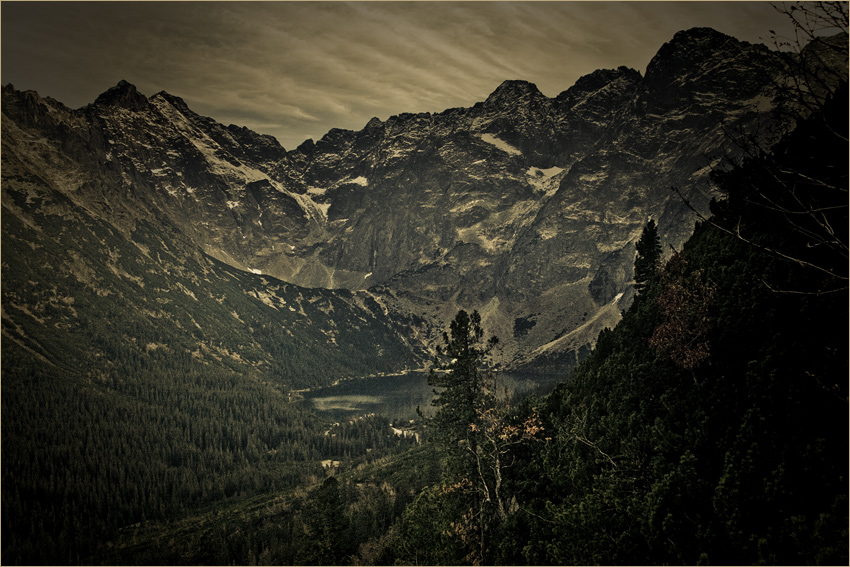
{"points": [[324, 207], [501, 144], [545, 180], [545, 173]]}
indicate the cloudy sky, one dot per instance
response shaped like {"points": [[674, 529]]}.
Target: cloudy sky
{"points": [[297, 69]]}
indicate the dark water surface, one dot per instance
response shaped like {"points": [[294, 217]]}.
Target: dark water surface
{"points": [[397, 395]]}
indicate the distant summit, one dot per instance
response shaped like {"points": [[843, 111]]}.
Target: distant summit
{"points": [[124, 95], [513, 92], [698, 50]]}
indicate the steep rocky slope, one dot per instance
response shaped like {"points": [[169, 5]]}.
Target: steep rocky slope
{"points": [[94, 289], [522, 206]]}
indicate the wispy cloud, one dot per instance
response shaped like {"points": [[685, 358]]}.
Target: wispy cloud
{"points": [[297, 69]]}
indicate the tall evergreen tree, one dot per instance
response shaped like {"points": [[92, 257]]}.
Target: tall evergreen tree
{"points": [[457, 370], [648, 257]]}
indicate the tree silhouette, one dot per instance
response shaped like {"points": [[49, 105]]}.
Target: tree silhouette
{"points": [[648, 256], [458, 370]]}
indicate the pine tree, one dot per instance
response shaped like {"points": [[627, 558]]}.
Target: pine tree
{"points": [[457, 370], [648, 257]]}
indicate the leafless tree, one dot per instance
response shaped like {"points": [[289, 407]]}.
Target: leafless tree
{"points": [[809, 202], [818, 56]]}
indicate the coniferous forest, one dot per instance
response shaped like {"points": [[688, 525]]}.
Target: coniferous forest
{"points": [[708, 427]]}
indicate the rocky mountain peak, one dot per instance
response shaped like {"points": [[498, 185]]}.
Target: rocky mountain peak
{"points": [[125, 95], [689, 50], [306, 147], [698, 35], [601, 77], [513, 92], [374, 123], [174, 101], [30, 109], [699, 61], [619, 79], [699, 43]]}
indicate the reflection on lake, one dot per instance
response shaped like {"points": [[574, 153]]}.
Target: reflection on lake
{"points": [[394, 396], [398, 395], [347, 403]]}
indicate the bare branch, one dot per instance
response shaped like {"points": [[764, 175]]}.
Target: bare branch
{"points": [[593, 445], [794, 292], [738, 234]]}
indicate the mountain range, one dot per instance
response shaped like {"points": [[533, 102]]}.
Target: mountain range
{"points": [[136, 224]]}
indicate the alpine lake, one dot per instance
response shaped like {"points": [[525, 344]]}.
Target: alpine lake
{"points": [[397, 396]]}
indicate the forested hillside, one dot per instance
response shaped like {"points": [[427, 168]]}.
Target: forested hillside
{"points": [[708, 427], [142, 381]]}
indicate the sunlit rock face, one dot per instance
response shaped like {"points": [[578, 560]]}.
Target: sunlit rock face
{"points": [[524, 207]]}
